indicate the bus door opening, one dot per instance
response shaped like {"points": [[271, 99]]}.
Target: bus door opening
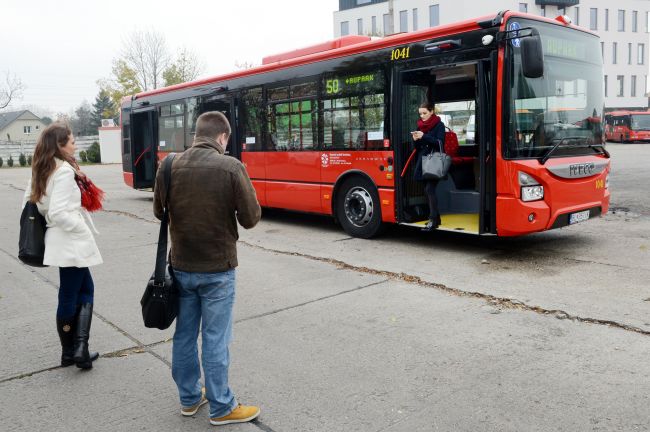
{"points": [[143, 148], [452, 90], [225, 105]]}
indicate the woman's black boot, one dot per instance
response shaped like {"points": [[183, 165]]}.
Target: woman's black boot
{"points": [[82, 358], [65, 328], [432, 224]]}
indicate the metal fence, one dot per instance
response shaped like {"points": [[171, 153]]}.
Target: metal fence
{"points": [[15, 148]]}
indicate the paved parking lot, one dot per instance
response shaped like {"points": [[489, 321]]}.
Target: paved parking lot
{"points": [[407, 332]]}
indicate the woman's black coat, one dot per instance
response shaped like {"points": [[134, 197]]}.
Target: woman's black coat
{"points": [[431, 141]]}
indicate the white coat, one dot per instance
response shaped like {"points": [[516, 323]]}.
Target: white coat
{"points": [[69, 241]]}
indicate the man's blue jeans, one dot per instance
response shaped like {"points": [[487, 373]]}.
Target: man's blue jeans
{"points": [[205, 299]]}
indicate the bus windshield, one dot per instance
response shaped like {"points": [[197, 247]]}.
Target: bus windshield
{"points": [[563, 109], [640, 122]]}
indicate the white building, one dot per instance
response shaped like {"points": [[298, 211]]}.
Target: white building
{"points": [[621, 25]]}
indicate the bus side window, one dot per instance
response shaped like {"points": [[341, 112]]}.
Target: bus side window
{"points": [[253, 117]]}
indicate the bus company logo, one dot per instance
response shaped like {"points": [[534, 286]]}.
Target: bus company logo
{"points": [[324, 160], [581, 169]]}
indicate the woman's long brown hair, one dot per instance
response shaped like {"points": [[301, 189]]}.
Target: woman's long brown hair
{"points": [[47, 148]]}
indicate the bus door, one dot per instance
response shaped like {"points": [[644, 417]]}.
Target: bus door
{"points": [[452, 89], [486, 142], [143, 147], [226, 105]]}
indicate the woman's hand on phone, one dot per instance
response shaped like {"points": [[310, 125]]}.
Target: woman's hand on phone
{"points": [[416, 135]]}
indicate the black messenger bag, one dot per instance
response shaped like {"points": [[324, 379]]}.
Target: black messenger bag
{"points": [[160, 299]]}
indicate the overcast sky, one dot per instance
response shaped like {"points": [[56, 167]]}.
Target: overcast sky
{"points": [[59, 49]]}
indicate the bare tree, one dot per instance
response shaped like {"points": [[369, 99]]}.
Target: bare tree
{"points": [[11, 89], [186, 67], [146, 53]]}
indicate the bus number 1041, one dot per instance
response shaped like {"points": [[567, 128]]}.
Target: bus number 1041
{"points": [[400, 53]]}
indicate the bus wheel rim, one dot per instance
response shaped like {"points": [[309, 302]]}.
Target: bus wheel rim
{"points": [[358, 206]]}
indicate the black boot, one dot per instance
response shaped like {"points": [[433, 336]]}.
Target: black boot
{"points": [[432, 224], [82, 357], [65, 327]]}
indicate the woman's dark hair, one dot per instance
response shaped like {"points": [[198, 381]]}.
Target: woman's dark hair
{"points": [[428, 105], [47, 148]]}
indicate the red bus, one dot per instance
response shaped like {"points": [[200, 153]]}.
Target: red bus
{"points": [[325, 129], [627, 126]]}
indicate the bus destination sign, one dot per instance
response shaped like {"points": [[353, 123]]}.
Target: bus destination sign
{"points": [[350, 84]]}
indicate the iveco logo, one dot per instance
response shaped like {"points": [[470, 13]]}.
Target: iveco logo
{"points": [[582, 169]]}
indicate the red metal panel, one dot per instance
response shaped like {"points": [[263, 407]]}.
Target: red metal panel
{"points": [[294, 196], [128, 178], [561, 195], [293, 180], [374, 163], [387, 202], [254, 163]]}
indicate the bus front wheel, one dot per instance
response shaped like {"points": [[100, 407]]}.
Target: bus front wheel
{"points": [[357, 208]]}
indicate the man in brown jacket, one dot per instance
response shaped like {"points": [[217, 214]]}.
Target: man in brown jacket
{"points": [[209, 193]]}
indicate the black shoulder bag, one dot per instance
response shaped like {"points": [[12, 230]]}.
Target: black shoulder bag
{"points": [[31, 244], [160, 299]]}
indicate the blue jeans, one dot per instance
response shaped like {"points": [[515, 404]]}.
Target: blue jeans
{"points": [[205, 300], [76, 287]]}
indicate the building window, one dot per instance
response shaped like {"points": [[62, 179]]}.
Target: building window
{"points": [[629, 53], [593, 19], [635, 18], [620, 81], [37, 127], [561, 10], [403, 21], [362, 2], [542, 10], [606, 19], [614, 58], [27, 129], [523, 7], [605, 81], [434, 15], [345, 28], [633, 86], [647, 17], [621, 20], [415, 19], [360, 26], [374, 26], [577, 16], [640, 53], [387, 27], [602, 50]]}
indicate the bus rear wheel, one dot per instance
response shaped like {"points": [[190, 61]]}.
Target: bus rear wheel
{"points": [[357, 208]]}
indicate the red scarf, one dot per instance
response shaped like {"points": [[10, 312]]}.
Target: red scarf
{"points": [[91, 195], [426, 125]]}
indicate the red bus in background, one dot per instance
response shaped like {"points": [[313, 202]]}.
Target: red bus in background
{"points": [[325, 129], [627, 126]]}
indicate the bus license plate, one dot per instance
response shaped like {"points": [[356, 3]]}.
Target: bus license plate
{"points": [[578, 217]]}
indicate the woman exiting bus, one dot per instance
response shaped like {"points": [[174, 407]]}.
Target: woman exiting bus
{"points": [[56, 188], [429, 137]]}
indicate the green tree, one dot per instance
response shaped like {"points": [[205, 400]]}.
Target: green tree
{"points": [[46, 120], [10, 161], [22, 160], [93, 153], [186, 67], [83, 156], [103, 108], [123, 82], [1, 162], [29, 159]]}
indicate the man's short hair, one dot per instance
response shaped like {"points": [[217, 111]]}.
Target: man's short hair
{"points": [[212, 124]]}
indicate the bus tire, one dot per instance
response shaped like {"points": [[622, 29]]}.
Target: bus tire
{"points": [[358, 209]]}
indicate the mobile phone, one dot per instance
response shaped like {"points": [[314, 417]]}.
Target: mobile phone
{"points": [[414, 132]]}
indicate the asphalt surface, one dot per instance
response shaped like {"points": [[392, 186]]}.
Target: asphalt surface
{"points": [[406, 332]]}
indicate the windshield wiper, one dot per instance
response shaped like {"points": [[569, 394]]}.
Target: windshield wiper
{"points": [[548, 154]]}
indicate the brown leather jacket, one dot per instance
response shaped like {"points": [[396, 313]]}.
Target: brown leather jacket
{"points": [[210, 192]]}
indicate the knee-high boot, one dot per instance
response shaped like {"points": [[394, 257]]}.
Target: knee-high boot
{"points": [[65, 328], [82, 358]]}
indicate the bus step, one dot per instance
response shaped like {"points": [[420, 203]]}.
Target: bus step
{"points": [[462, 222]]}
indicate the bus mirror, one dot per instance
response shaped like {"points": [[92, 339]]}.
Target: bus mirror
{"points": [[532, 56]]}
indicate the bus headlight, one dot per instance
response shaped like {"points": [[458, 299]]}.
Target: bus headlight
{"points": [[531, 190]]}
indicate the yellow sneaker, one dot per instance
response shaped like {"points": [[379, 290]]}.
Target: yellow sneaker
{"points": [[241, 414], [190, 411]]}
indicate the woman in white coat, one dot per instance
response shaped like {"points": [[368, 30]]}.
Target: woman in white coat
{"points": [[69, 241]]}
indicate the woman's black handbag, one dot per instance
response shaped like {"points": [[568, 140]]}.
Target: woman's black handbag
{"points": [[160, 299], [31, 244]]}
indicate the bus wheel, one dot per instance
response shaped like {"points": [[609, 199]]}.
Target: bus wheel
{"points": [[357, 208]]}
